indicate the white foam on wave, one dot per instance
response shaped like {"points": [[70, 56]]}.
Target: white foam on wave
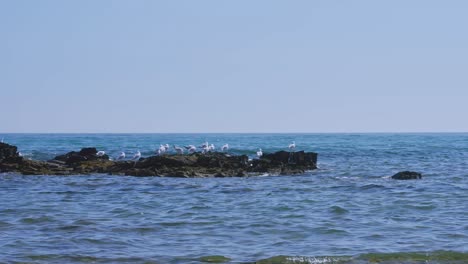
{"points": [[260, 175], [314, 260]]}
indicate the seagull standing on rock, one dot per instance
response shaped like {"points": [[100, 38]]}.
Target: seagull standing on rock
{"points": [[206, 149], [137, 155], [178, 150], [225, 147], [100, 153], [121, 156], [211, 147], [191, 148], [259, 153], [204, 145], [161, 150], [292, 146]]}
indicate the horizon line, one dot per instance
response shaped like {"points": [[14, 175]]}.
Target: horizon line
{"points": [[328, 132]]}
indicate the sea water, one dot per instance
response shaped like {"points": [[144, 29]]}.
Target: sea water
{"points": [[347, 211]]}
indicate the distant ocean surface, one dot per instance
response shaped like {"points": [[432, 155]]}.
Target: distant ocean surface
{"points": [[347, 211]]}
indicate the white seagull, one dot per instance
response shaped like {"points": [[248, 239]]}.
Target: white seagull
{"points": [[100, 153], [225, 147], [121, 156], [211, 147], [161, 149], [259, 153], [137, 155], [292, 146], [166, 147], [204, 145], [206, 149], [20, 154], [191, 148], [178, 150]]}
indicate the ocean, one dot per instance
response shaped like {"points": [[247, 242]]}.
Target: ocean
{"points": [[349, 210]]}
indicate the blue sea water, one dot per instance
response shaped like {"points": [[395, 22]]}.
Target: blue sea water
{"points": [[343, 211]]}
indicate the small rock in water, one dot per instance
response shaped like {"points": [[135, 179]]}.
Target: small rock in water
{"points": [[407, 175]]}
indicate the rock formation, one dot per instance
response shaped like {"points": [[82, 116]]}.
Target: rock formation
{"points": [[213, 164]]}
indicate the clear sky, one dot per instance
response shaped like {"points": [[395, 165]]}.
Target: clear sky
{"points": [[233, 66]]}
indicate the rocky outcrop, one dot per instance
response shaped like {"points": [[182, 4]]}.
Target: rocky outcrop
{"points": [[407, 175], [283, 162], [85, 154], [8, 152], [193, 165], [213, 164]]}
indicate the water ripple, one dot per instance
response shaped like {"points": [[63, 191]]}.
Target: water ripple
{"points": [[349, 207]]}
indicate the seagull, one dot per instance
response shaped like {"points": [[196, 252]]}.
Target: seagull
{"points": [[211, 147], [204, 145], [292, 146], [225, 147], [20, 154], [178, 150], [259, 153], [206, 149], [137, 155], [166, 147], [191, 148], [161, 149], [121, 156], [100, 153]]}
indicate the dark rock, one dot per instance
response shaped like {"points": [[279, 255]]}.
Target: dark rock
{"points": [[8, 152], [299, 158], [34, 167], [214, 164], [407, 175], [285, 163], [85, 154], [168, 161], [9, 158]]}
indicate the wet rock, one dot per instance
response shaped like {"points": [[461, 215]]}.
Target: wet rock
{"points": [[214, 259], [299, 158], [85, 154], [285, 163], [34, 167], [214, 164], [8, 152], [407, 175], [9, 158]]}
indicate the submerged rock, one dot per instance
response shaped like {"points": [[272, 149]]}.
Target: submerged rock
{"points": [[214, 259], [407, 175]]}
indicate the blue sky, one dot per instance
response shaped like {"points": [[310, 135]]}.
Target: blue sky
{"points": [[233, 66]]}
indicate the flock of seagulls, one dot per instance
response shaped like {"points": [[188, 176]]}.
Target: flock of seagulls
{"points": [[205, 148]]}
